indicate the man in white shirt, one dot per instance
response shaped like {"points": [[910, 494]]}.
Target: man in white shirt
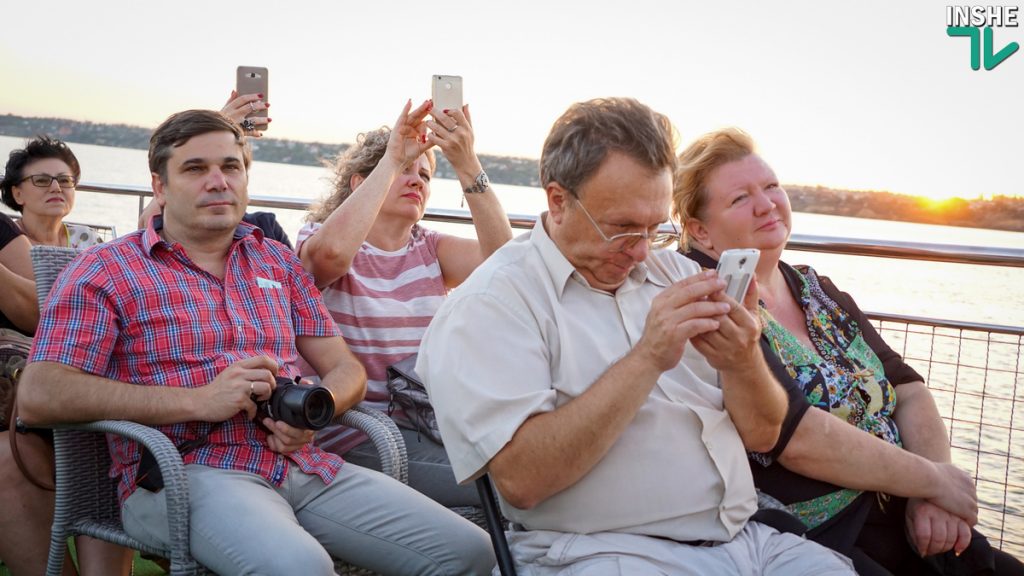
{"points": [[610, 389]]}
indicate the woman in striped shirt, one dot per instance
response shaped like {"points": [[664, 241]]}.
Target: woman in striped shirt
{"points": [[383, 276]]}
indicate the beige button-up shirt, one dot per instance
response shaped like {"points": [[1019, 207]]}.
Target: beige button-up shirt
{"points": [[526, 334]]}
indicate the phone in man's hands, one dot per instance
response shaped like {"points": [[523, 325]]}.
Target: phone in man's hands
{"points": [[737, 268]]}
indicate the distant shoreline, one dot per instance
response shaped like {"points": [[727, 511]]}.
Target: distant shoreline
{"points": [[997, 213]]}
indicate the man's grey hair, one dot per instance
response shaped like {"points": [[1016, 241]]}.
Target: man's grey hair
{"points": [[583, 136]]}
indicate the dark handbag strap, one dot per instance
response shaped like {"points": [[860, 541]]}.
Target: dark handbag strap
{"points": [[48, 484]]}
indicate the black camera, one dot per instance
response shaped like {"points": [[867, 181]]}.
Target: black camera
{"points": [[306, 407]]}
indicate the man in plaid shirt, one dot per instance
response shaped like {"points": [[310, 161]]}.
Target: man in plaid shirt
{"points": [[179, 326]]}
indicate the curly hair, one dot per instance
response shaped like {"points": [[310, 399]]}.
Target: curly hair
{"points": [[40, 148], [689, 184], [360, 158]]}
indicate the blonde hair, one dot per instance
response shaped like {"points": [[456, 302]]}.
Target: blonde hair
{"points": [[689, 187]]}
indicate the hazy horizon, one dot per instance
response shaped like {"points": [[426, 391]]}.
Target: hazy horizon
{"points": [[860, 96]]}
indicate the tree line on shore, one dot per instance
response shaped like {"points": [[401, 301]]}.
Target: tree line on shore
{"points": [[997, 212]]}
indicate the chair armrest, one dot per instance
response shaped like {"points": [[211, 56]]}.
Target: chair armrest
{"points": [[171, 468], [385, 436]]}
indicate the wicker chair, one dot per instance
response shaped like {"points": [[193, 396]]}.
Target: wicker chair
{"points": [[86, 499]]}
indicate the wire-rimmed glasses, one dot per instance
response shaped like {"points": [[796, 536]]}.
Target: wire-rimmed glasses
{"points": [[627, 240]]}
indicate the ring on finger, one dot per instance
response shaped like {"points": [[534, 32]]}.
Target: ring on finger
{"points": [[252, 388], [248, 125], [252, 107], [453, 128]]}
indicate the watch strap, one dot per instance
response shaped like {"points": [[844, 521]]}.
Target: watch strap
{"points": [[479, 185]]}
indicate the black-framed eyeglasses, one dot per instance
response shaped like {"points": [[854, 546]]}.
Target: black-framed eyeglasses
{"points": [[44, 180], [627, 240]]}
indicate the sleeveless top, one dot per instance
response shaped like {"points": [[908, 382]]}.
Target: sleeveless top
{"points": [[382, 306]]}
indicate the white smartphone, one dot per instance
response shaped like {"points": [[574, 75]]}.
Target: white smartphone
{"points": [[254, 80], [736, 267], [446, 92]]}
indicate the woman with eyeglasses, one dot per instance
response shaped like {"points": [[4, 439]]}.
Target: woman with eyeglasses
{"points": [[383, 275], [39, 182], [863, 460]]}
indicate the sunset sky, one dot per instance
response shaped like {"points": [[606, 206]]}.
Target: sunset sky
{"points": [[865, 95]]}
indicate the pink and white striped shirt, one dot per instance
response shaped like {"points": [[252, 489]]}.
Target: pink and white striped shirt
{"points": [[382, 306]]}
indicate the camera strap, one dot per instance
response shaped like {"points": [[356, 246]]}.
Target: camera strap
{"points": [[148, 475]]}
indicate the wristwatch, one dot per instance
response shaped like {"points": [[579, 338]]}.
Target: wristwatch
{"points": [[480, 184]]}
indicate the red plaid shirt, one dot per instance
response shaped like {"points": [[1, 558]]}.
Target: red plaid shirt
{"points": [[139, 310]]}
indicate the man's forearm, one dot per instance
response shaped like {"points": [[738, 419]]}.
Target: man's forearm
{"points": [[347, 382], [52, 393], [553, 450]]}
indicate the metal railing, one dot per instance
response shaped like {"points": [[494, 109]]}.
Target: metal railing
{"points": [[801, 242], [974, 370]]}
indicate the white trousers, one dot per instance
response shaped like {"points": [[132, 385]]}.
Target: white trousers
{"points": [[757, 550]]}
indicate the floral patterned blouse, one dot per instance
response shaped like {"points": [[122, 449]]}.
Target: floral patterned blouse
{"points": [[840, 374], [849, 371]]}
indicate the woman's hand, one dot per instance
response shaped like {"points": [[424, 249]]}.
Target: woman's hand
{"points": [[408, 139], [237, 107], [956, 493], [932, 530], [452, 132]]}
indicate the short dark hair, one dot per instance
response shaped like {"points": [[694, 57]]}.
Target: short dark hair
{"points": [[181, 127], [582, 137], [38, 149]]}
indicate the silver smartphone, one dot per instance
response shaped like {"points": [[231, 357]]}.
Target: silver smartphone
{"points": [[737, 267], [446, 92], [254, 80]]}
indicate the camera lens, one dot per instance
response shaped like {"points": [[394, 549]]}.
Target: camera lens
{"points": [[318, 408], [306, 407]]}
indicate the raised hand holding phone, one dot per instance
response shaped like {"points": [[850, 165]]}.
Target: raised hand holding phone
{"points": [[446, 92], [253, 81]]}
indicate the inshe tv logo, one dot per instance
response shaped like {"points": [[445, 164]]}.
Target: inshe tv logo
{"points": [[977, 22]]}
